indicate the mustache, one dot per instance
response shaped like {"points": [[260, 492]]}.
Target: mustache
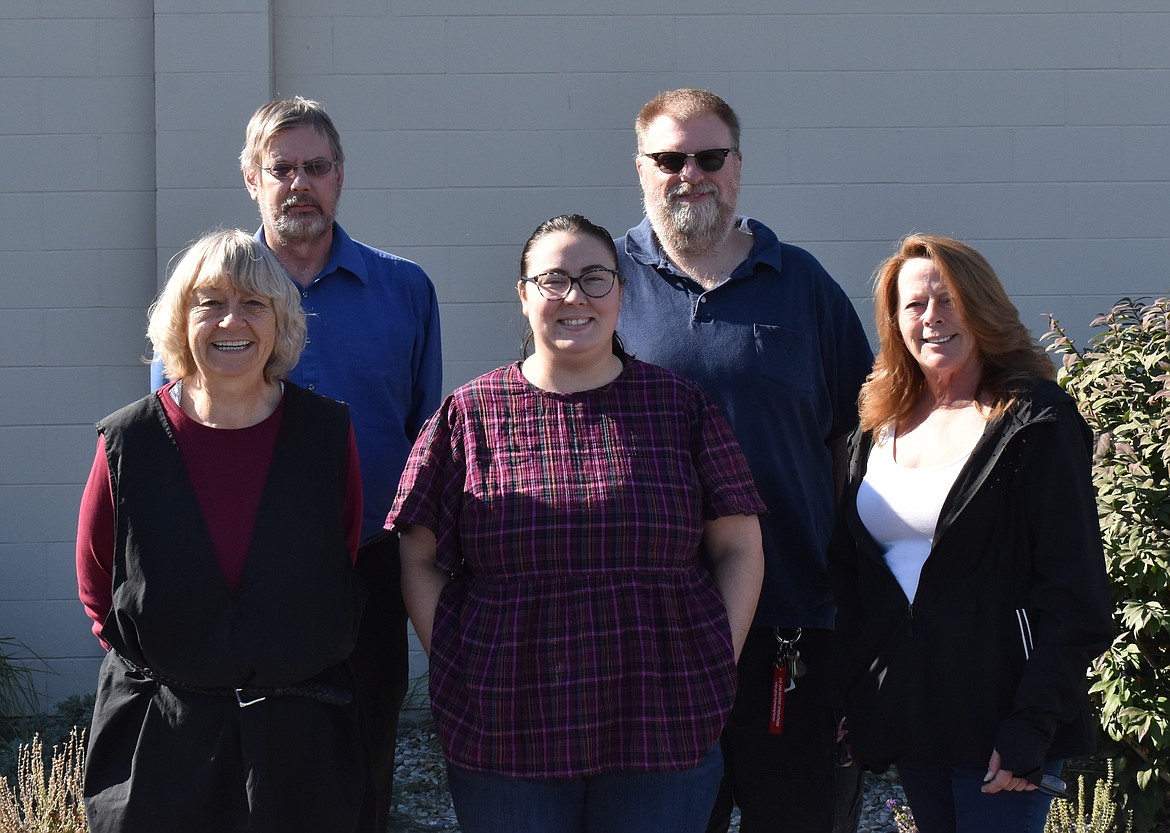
{"points": [[293, 202], [686, 189]]}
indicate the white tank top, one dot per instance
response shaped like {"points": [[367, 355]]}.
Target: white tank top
{"points": [[900, 508]]}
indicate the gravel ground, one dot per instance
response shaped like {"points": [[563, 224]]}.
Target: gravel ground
{"points": [[422, 802]]}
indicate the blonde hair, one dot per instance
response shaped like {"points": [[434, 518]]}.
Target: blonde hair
{"points": [[235, 259], [1009, 353], [276, 116]]}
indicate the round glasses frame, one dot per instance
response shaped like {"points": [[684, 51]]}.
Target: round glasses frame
{"points": [[556, 286]]}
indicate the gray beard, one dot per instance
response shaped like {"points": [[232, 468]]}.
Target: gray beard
{"points": [[300, 229], [690, 229]]}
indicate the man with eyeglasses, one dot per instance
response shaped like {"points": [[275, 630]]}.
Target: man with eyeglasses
{"points": [[373, 343], [777, 344]]}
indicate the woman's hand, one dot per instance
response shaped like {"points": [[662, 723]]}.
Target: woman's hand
{"points": [[998, 779]]}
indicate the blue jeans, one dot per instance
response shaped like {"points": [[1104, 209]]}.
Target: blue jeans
{"points": [[648, 802], [947, 799]]}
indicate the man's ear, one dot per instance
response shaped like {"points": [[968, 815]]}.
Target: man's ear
{"points": [[250, 182]]}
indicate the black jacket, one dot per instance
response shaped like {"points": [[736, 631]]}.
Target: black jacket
{"points": [[1011, 607]]}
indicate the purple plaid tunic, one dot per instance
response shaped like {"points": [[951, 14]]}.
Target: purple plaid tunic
{"points": [[580, 634]]}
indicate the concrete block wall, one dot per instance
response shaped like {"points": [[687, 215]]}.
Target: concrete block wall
{"points": [[1036, 129], [77, 252]]}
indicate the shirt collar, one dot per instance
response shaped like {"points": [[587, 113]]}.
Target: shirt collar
{"points": [[344, 254], [643, 247]]}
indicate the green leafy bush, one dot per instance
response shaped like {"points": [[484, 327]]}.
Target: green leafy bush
{"points": [[1121, 382]]}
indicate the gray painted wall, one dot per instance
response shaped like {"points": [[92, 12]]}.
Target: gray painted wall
{"points": [[1038, 130]]}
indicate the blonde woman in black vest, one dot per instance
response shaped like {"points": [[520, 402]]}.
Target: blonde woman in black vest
{"points": [[215, 556]]}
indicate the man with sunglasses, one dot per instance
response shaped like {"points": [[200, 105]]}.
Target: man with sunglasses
{"points": [[777, 344], [373, 343]]}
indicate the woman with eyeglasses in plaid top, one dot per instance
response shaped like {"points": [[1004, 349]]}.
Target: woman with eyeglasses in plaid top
{"points": [[581, 559]]}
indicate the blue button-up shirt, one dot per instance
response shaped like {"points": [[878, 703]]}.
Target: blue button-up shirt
{"points": [[780, 349]]}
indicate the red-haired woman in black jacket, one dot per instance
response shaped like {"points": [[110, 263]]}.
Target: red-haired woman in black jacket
{"points": [[967, 562]]}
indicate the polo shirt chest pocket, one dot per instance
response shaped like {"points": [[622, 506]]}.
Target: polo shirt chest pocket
{"points": [[786, 356]]}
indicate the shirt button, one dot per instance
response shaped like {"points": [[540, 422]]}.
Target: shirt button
{"points": [[304, 293], [311, 386], [703, 300]]}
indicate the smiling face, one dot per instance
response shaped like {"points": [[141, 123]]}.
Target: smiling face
{"points": [[302, 207], [693, 209], [933, 330], [230, 333], [577, 328]]}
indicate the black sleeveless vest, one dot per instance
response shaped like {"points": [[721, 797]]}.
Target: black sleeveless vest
{"points": [[297, 608]]}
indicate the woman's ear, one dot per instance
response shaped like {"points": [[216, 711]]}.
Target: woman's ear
{"points": [[523, 297]]}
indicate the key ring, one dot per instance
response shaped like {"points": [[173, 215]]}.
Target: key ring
{"points": [[786, 643]]}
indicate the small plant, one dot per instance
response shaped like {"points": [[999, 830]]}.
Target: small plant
{"points": [[1099, 815], [40, 802], [52, 727], [903, 820], [1121, 382], [17, 687], [418, 697]]}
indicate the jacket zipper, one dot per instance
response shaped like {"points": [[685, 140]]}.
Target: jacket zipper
{"points": [[1025, 631]]}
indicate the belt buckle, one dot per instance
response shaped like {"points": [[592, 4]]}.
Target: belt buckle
{"points": [[244, 703]]}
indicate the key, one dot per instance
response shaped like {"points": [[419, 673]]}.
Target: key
{"points": [[785, 662], [796, 666]]}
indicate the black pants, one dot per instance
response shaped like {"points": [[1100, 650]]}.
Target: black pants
{"points": [[789, 781], [381, 663], [169, 759]]}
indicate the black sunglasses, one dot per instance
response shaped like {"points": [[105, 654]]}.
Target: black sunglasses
{"points": [[314, 167], [673, 161]]}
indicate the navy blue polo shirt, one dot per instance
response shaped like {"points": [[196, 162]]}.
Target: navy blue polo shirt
{"points": [[779, 347]]}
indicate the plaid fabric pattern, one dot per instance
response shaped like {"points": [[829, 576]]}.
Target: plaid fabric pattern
{"points": [[581, 633]]}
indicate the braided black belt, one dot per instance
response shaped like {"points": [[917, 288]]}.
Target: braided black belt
{"points": [[250, 695]]}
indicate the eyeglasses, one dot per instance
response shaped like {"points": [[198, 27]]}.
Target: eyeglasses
{"points": [[673, 161], [596, 283], [314, 167]]}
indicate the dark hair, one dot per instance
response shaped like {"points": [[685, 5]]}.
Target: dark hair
{"points": [[1009, 352], [571, 224]]}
